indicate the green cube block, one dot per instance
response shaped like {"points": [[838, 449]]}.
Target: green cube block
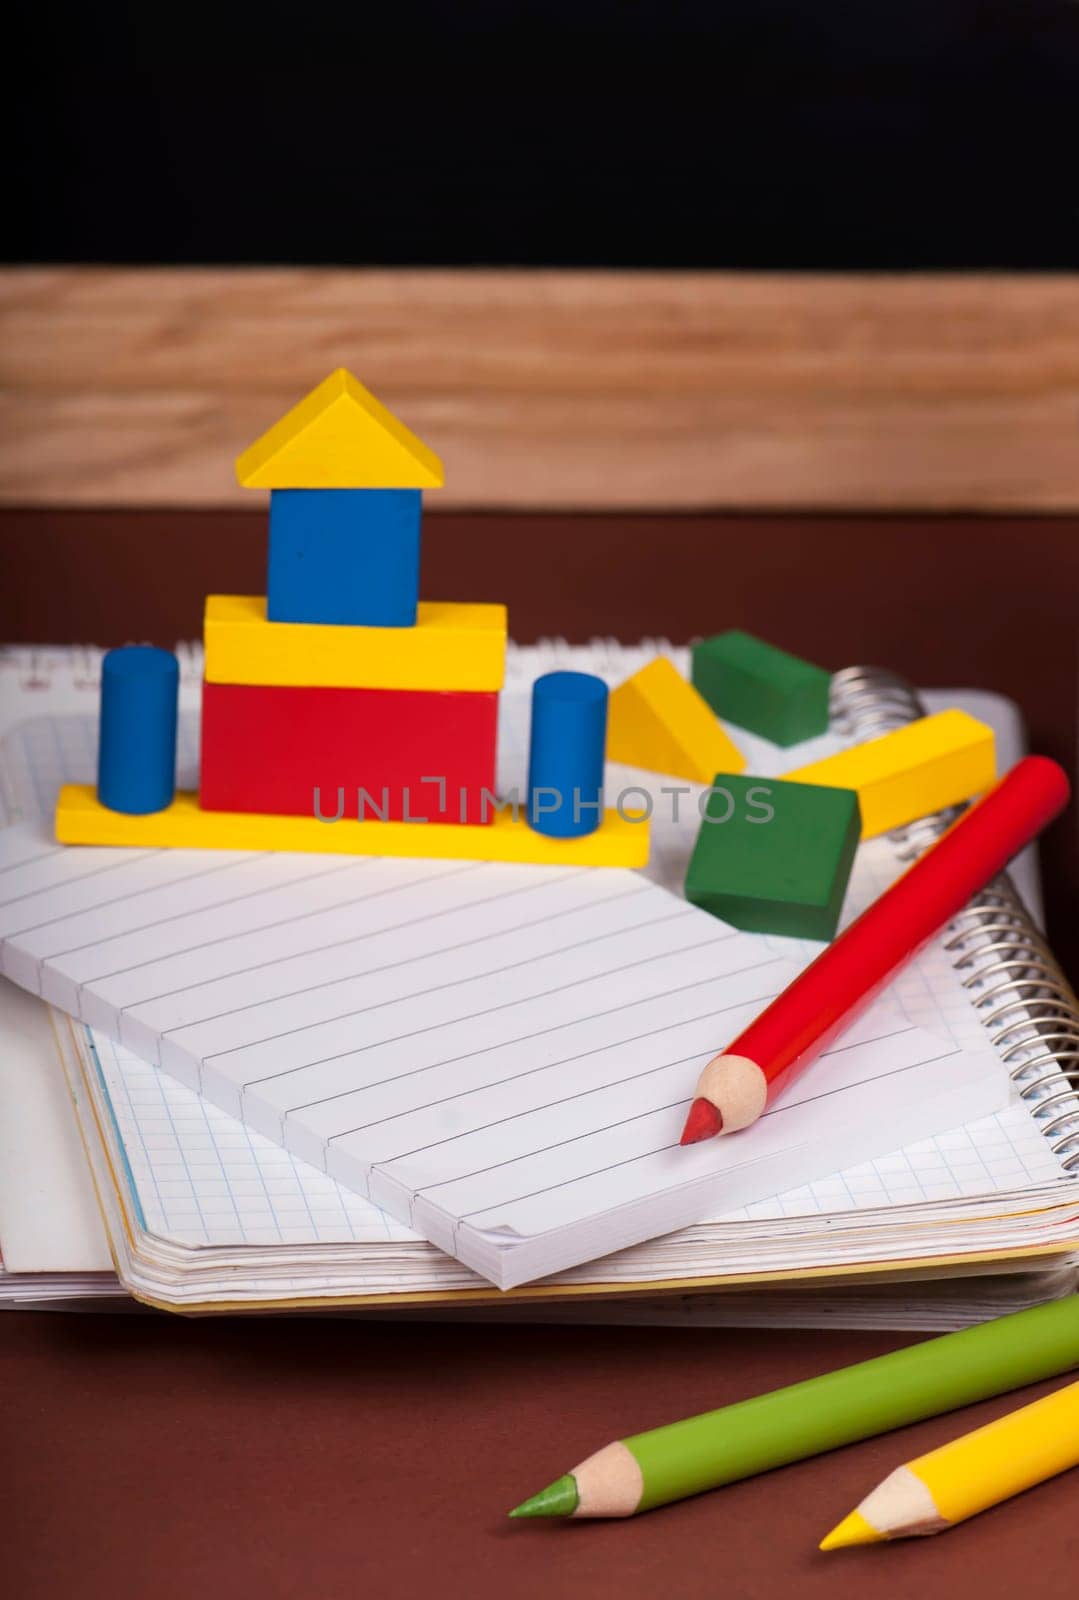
{"points": [[761, 688], [775, 857]]}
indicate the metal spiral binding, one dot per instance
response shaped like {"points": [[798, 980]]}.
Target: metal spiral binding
{"points": [[1015, 983], [606, 657], [78, 667]]}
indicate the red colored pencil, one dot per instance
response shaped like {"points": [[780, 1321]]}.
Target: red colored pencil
{"points": [[735, 1086]]}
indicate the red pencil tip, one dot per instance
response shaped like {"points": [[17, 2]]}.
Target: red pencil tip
{"points": [[703, 1122]]}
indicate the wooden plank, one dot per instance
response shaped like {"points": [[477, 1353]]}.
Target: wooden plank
{"points": [[555, 389]]}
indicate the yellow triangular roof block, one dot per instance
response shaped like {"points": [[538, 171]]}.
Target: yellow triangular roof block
{"points": [[657, 720], [339, 437]]}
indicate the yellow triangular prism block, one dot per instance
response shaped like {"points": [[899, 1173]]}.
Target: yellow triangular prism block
{"points": [[339, 437], [658, 721]]}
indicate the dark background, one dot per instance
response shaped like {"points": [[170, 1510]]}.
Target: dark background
{"points": [[861, 134]]}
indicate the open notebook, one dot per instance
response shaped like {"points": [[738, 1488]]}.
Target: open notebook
{"points": [[203, 1215], [932, 996]]}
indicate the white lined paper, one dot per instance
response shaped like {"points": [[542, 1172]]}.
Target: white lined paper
{"points": [[204, 1182], [500, 1056]]}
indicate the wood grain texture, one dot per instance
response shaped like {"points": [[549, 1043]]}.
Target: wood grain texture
{"points": [[555, 389]]}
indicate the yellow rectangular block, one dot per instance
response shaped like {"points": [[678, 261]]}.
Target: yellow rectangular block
{"points": [[657, 720], [459, 647], [82, 819], [935, 762]]}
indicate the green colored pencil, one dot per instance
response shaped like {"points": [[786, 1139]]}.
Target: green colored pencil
{"points": [[652, 1469]]}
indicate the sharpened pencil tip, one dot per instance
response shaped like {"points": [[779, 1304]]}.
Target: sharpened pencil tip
{"points": [[703, 1122], [852, 1530], [559, 1499]]}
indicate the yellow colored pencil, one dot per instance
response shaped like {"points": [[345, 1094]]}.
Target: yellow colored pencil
{"points": [[968, 1475]]}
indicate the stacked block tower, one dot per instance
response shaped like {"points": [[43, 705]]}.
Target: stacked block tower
{"points": [[340, 693], [339, 696]]}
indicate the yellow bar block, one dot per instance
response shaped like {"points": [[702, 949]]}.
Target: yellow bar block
{"points": [[935, 762], [82, 819], [657, 720], [339, 437], [452, 647]]}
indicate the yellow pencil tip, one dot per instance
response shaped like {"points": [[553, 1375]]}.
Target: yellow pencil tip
{"points": [[852, 1530]]}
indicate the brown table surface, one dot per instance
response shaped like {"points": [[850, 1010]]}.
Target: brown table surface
{"points": [[152, 1456]]}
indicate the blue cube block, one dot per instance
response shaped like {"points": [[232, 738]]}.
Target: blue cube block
{"points": [[346, 556]]}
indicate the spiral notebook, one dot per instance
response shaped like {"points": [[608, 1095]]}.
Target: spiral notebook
{"points": [[944, 1007]]}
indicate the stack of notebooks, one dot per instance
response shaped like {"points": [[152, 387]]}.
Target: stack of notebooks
{"points": [[908, 1195]]}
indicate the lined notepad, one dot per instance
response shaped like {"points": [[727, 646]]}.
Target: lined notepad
{"points": [[500, 1057], [200, 1181], [204, 1212]]}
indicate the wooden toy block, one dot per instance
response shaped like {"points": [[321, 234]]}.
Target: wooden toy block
{"points": [[753, 684], [920, 768], [349, 557], [660, 722], [82, 819], [136, 758], [339, 437], [567, 740], [774, 856], [416, 752], [451, 647]]}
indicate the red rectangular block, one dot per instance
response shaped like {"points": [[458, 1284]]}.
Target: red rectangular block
{"points": [[417, 753]]}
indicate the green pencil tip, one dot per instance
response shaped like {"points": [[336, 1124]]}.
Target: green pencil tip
{"points": [[559, 1499]]}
